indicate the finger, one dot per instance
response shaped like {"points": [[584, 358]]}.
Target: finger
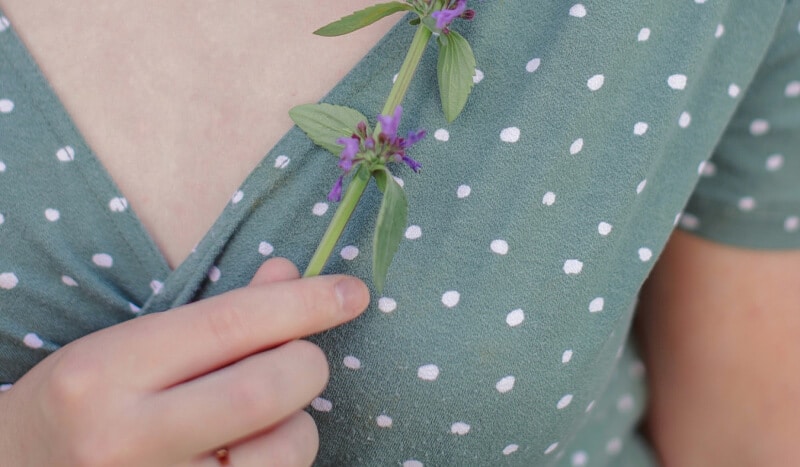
{"points": [[233, 403], [275, 270], [171, 347], [294, 443]]}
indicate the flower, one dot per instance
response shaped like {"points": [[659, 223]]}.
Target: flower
{"points": [[446, 16], [362, 147]]}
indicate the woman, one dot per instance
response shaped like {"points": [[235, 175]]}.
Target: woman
{"points": [[502, 336]]}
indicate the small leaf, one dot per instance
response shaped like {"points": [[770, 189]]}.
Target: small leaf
{"points": [[455, 69], [362, 19], [389, 227], [325, 123]]}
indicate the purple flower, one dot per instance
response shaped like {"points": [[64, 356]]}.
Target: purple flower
{"points": [[414, 137], [445, 17], [389, 123], [415, 166], [351, 147], [336, 192]]}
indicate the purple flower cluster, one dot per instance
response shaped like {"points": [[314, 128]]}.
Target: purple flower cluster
{"points": [[362, 146], [451, 11]]}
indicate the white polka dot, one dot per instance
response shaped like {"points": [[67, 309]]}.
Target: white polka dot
{"points": [[515, 318], [6, 106], [775, 162], [2, 219], [576, 146], [551, 448], [5, 387], [2, 167], [685, 120], [156, 286], [644, 34], [322, 405], [52, 214], [349, 252], [577, 10], [792, 89], [320, 209], [640, 128], [68, 281], [759, 127], [505, 385], [394, 78], [265, 248], [428, 372], [451, 298], [399, 181], [8, 280], [214, 274], [614, 446], [604, 228], [719, 31], [706, 169], [412, 463], [564, 402], [4, 23], [66, 154], [282, 161], [134, 308], [549, 198], [510, 449], [734, 90], [677, 82], [596, 305], [579, 459], [387, 305], [118, 204], [645, 254], [442, 135], [352, 362], [625, 403], [463, 191], [689, 221], [566, 356], [533, 65], [33, 341], [459, 428], [414, 232], [637, 369], [510, 135], [590, 406], [641, 186], [747, 203], [596, 82], [103, 260], [237, 197], [792, 224], [383, 421], [573, 266], [477, 77], [499, 246]]}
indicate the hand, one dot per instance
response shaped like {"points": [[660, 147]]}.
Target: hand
{"points": [[169, 389]]}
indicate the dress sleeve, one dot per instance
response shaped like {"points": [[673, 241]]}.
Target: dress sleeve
{"points": [[749, 191]]}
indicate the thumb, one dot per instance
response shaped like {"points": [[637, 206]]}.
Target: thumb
{"points": [[275, 270]]}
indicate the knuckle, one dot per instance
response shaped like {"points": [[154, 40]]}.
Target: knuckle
{"points": [[228, 324], [73, 379]]}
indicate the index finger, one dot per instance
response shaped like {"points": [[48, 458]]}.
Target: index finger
{"points": [[177, 345]]}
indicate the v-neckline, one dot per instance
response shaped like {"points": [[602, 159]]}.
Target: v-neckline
{"points": [[53, 110]]}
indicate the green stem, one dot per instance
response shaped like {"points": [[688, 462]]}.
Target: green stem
{"points": [[360, 181]]}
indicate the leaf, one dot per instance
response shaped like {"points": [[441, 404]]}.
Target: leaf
{"points": [[362, 19], [455, 69], [325, 123], [389, 228]]}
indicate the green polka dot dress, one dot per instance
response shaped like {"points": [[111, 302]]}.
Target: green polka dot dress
{"points": [[502, 337]]}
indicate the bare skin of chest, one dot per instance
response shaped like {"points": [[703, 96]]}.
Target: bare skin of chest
{"points": [[181, 99]]}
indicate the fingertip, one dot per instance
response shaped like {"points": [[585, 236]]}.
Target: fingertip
{"points": [[275, 270], [353, 295]]}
